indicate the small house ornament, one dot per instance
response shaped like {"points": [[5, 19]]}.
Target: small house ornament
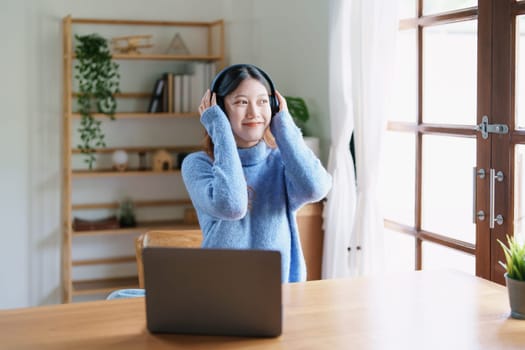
{"points": [[162, 161]]}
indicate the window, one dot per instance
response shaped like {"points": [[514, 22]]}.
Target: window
{"points": [[455, 59]]}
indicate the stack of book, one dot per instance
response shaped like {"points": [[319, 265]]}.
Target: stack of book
{"points": [[181, 93]]}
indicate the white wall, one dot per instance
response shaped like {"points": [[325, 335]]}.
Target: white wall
{"points": [[287, 38]]}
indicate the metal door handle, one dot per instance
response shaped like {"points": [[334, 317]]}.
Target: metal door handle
{"points": [[492, 189], [480, 215]]}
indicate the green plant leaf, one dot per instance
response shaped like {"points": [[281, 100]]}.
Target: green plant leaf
{"points": [[98, 80], [298, 109], [515, 258]]}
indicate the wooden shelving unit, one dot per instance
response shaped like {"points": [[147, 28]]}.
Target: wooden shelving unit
{"points": [[72, 287], [129, 172], [132, 115], [140, 228], [103, 285]]}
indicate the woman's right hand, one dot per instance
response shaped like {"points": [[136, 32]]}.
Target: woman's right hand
{"points": [[207, 102]]}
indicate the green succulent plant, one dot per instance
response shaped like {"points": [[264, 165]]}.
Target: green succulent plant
{"points": [[98, 82], [515, 258]]}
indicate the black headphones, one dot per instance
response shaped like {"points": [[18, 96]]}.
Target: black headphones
{"points": [[274, 102]]}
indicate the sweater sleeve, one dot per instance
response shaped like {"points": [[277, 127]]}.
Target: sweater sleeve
{"points": [[217, 187], [306, 178]]}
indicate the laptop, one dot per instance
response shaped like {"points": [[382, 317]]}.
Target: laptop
{"points": [[213, 291]]}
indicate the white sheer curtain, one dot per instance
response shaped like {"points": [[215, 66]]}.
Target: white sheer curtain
{"points": [[340, 204], [362, 47]]}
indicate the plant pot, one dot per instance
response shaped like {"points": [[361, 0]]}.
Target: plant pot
{"points": [[516, 291], [313, 143]]}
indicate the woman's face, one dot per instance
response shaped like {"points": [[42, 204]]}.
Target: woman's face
{"points": [[248, 108]]}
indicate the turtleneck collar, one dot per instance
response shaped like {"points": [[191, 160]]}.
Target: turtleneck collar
{"points": [[253, 155]]}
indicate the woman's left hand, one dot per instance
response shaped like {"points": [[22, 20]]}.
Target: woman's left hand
{"points": [[282, 102]]}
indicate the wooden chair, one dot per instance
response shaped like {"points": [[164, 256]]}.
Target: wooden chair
{"points": [[172, 238]]}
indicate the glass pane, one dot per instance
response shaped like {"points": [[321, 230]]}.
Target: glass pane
{"points": [[520, 71], [440, 257], [449, 73], [519, 192], [407, 9], [447, 186], [405, 94], [433, 6], [399, 252], [398, 177]]}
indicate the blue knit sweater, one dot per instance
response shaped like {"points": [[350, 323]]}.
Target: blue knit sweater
{"points": [[247, 198]]}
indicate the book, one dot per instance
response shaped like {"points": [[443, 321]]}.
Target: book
{"points": [[200, 82], [155, 102], [186, 93], [169, 94], [177, 93]]}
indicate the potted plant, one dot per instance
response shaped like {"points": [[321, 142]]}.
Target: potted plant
{"points": [[515, 275], [298, 110], [126, 215], [98, 82], [300, 114]]}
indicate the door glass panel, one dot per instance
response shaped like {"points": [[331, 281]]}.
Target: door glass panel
{"points": [[433, 6], [440, 257], [407, 8], [520, 71], [449, 73], [398, 177], [519, 192], [400, 253], [405, 94], [447, 186]]}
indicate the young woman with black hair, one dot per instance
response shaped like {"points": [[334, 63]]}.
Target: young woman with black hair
{"points": [[255, 171]]}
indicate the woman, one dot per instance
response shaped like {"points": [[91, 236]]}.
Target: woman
{"points": [[255, 171]]}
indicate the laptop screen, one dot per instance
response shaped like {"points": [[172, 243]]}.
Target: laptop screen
{"points": [[213, 291]]}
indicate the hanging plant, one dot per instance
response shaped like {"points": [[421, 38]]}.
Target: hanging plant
{"points": [[98, 82]]}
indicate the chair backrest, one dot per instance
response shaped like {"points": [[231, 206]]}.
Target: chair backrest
{"points": [[169, 238]]}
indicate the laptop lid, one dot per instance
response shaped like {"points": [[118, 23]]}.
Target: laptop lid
{"points": [[213, 291]]}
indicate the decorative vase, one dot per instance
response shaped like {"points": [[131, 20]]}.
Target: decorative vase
{"points": [[120, 160], [516, 291]]}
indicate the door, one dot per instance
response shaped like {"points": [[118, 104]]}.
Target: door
{"points": [[502, 103], [457, 65]]}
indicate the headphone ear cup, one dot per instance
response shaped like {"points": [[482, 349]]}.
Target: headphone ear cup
{"points": [[274, 104]]}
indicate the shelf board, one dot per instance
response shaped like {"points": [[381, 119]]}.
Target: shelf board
{"points": [[107, 285], [164, 57], [131, 22], [104, 261], [146, 149], [111, 172], [136, 204], [141, 228], [158, 56], [123, 94], [140, 115]]}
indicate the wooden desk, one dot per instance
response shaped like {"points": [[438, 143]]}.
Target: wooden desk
{"points": [[420, 310]]}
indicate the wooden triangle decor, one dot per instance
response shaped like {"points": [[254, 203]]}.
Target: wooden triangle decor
{"points": [[177, 46]]}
